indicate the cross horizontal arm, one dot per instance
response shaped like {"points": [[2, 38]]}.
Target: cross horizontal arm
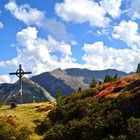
{"points": [[27, 72], [14, 73]]}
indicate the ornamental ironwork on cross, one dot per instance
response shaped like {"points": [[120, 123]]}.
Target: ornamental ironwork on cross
{"points": [[19, 73]]}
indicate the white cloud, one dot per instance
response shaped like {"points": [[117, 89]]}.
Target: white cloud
{"points": [[80, 11], [98, 56], [41, 52], [1, 25], [39, 55], [134, 10], [54, 45], [112, 7], [27, 37], [5, 79], [33, 16], [128, 33], [25, 13]]}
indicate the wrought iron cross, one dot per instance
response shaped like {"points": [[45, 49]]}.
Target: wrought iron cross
{"points": [[19, 73]]}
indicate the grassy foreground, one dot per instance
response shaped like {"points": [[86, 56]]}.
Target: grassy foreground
{"points": [[25, 116]]}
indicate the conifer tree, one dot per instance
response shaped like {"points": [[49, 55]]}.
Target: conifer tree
{"points": [[59, 97], [108, 78], [138, 68], [93, 83]]}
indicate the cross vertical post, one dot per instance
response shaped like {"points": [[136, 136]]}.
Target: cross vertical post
{"points": [[19, 73]]}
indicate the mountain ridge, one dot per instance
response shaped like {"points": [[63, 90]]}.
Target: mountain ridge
{"points": [[70, 80], [49, 83]]}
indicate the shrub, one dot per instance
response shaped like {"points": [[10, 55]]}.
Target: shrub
{"points": [[6, 131], [43, 126], [9, 132], [84, 117], [13, 105], [134, 128], [83, 94], [23, 133], [108, 78], [55, 133], [93, 83]]}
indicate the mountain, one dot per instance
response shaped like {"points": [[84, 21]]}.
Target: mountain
{"points": [[44, 86], [32, 92], [70, 80]]}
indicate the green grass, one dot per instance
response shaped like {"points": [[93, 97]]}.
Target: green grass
{"points": [[25, 115]]}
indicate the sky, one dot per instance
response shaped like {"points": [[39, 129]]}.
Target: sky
{"points": [[44, 35]]}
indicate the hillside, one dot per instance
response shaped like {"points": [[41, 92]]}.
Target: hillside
{"points": [[127, 85], [109, 112]]}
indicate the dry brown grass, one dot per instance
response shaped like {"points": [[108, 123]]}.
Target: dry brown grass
{"points": [[108, 89], [25, 115]]}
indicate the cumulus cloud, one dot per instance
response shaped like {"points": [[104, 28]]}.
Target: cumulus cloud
{"points": [[98, 56], [80, 11], [128, 33], [25, 13], [112, 7], [134, 10], [33, 16], [41, 52], [39, 55], [28, 38]]}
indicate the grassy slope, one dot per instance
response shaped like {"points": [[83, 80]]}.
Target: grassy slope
{"points": [[106, 89], [25, 115], [86, 114]]}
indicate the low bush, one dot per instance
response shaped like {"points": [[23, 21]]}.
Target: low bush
{"points": [[9, 132]]}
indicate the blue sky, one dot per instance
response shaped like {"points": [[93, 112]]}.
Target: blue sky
{"points": [[49, 34]]}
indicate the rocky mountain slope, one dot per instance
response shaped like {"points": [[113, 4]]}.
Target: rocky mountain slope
{"points": [[32, 92], [69, 80]]}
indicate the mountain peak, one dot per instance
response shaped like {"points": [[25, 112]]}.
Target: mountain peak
{"points": [[57, 72]]}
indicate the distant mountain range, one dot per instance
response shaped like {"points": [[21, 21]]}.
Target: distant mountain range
{"points": [[69, 80], [44, 86]]}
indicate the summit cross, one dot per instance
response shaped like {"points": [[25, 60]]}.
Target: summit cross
{"points": [[19, 73]]}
